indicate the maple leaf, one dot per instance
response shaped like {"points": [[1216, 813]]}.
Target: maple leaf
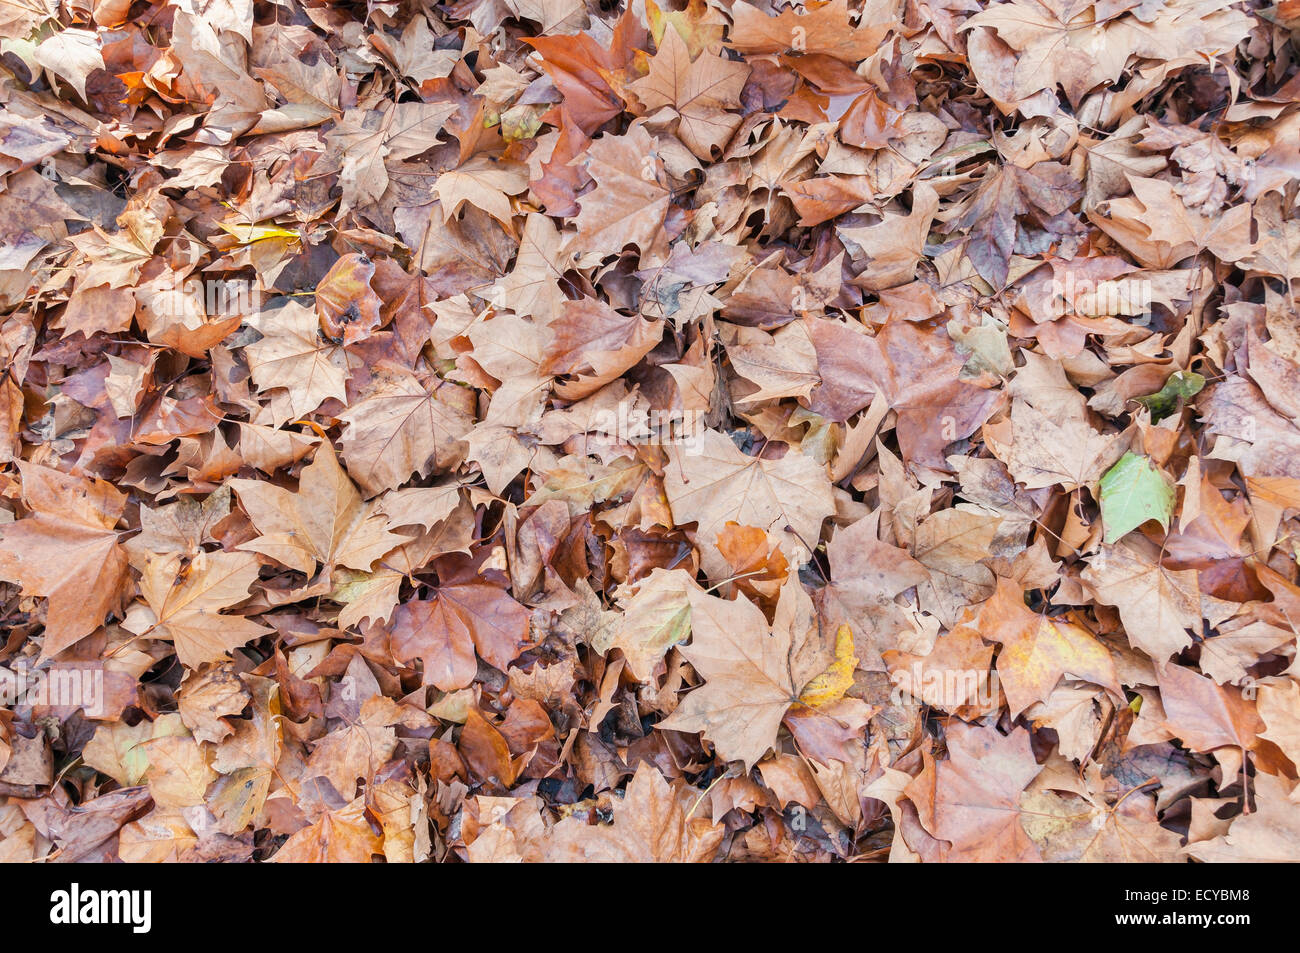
{"points": [[414, 54], [758, 566], [896, 244], [584, 72], [1281, 716], [825, 28], [1249, 432], [1078, 48], [822, 199], [1203, 715], [208, 698], [445, 631], [484, 183], [1041, 451], [656, 616], [343, 836], [596, 344], [71, 54], [247, 759], [163, 836], [509, 325], [950, 544], [324, 522], [534, 288], [652, 823], [698, 25], [829, 687], [1132, 492], [1038, 651], [855, 366], [1008, 202], [356, 750], [347, 304], [119, 750], [952, 676], [867, 574], [1157, 605], [718, 484], [1269, 834], [628, 205], [512, 349], [367, 139], [701, 90], [752, 675], [397, 427], [975, 799], [294, 362], [66, 550], [1096, 826], [374, 595], [871, 123], [178, 772], [182, 527], [1158, 228], [184, 606]]}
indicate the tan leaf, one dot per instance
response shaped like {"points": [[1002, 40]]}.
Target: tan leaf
{"points": [[66, 550], [717, 484], [325, 521], [752, 674]]}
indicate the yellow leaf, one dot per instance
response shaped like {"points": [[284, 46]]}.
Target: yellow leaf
{"points": [[248, 234], [831, 684]]}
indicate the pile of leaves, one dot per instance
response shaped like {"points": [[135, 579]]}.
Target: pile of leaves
{"points": [[548, 429]]}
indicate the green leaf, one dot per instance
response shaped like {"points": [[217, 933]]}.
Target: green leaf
{"points": [[1181, 385], [1132, 492]]}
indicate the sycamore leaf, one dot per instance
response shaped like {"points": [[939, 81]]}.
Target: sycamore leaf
{"points": [[398, 427], [595, 344], [1041, 450], [1038, 651], [585, 73], [247, 759], [66, 550], [752, 674], [484, 183], [247, 233], [972, 800], [1132, 492], [628, 205], [404, 409], [1181, 385], [698, 25], [337, 837], [1158, 605], [324, 522], [445, 632], [178, 772], [656, 616], [1097, 826], [534, 288], [119, 750], [1269, 834], [347, 304], [653, 822], [295, 363], [822, 29], [830, 685], [184, 605], [72, 55], [1009, 203], [700, 91], [717, 484]]}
